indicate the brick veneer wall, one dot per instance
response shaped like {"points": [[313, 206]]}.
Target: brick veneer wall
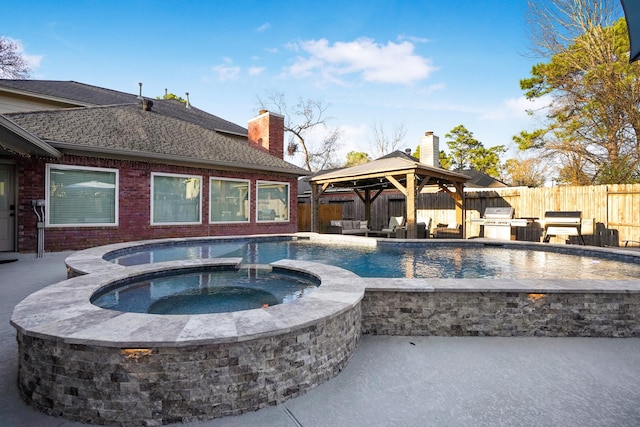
{"points": [[180, 384], [135, 205], [469, 313]]}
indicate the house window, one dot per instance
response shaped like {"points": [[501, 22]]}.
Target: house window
{"points": [[273, 201], [81, 196], [175, 199], [228, 200]]}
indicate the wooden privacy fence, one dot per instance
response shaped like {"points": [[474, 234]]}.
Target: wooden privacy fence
{"points": [[326, 213], [615, 209]]}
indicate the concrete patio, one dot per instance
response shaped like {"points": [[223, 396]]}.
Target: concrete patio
{"points": [[407, 381]]}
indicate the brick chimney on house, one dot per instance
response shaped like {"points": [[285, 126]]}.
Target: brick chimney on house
{"points": [[430, 150], [266, 132]]}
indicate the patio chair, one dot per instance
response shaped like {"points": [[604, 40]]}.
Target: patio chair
{"points": [[395, 222]]}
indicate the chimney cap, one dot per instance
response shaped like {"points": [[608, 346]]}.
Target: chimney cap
{"points": [[147, 104]]}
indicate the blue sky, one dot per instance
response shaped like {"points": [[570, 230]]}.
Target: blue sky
{"points": [[425, 65]]}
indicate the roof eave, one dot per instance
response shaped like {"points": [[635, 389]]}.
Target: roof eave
{"points": [[51, 98], [34, 145], [228, 132]]}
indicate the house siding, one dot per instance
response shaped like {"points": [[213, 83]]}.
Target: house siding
{"points": [[134, 221]]}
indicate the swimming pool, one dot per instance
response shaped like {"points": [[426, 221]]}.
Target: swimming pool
{"points": [[155, 368], [425, 259]]}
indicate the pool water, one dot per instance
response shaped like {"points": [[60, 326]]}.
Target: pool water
{"points": [[405, 260], [216, 291]]}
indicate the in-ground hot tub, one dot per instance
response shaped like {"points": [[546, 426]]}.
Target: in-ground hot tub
{"points": [[102, 366]]}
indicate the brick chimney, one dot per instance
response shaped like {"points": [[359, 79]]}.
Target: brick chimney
{"points": [[430, 150], [266, 132]]}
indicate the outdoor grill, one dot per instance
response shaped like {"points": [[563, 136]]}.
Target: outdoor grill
{"points": [[562, 223], [499, 222]]}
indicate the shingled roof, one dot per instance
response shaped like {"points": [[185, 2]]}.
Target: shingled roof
{"points": [[84, 95], [127, 130]]}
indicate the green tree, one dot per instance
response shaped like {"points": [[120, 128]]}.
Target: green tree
{"points": [[467, 152], [355, 158], [169, 95], [446, 161], [592, 123], [416, 152]]}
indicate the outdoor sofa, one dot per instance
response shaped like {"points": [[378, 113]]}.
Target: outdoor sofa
{"points": [[448, 231], [352, 227]]}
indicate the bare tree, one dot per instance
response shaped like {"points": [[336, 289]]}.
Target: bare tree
{"points": [[531, 172], [12, 64], [384, 142], [555, 25], [305, 117]]}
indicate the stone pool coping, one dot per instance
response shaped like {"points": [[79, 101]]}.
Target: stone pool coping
{"points": [[92, 261], [533, 286], [63, 311]]}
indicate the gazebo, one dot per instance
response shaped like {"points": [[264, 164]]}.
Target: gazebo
{"points": [[403, 172]]}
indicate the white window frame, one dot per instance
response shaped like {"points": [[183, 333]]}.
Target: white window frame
{"points": [[247, 181], [53, 166], [174, 175], [288, 185]]}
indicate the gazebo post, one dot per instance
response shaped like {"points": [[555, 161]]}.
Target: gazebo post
{"points": [[315, 200], [367, 206], [412, 229], [458, 197]]}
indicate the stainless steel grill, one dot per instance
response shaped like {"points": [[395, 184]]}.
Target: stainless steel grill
{"points": [[499, 222], [562, 223]]}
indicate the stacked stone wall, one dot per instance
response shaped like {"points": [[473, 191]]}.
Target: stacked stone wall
{"points": [[509, 314], [161, 385]]}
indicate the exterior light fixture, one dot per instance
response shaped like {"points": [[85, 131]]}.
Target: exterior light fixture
{"points": [[136, 353]]}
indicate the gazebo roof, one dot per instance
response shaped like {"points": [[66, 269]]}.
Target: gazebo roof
{"points": [[397, 164]]}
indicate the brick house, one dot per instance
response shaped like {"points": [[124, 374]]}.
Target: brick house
{"points": [[104, 166]]}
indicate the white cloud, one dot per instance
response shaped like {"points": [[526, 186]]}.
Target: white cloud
{"points": [[432, 88], [33, 61], [264, 27], [413, 39], [353, 138], [516, 108], [227, 71], [254, 71], [395, 63]]}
